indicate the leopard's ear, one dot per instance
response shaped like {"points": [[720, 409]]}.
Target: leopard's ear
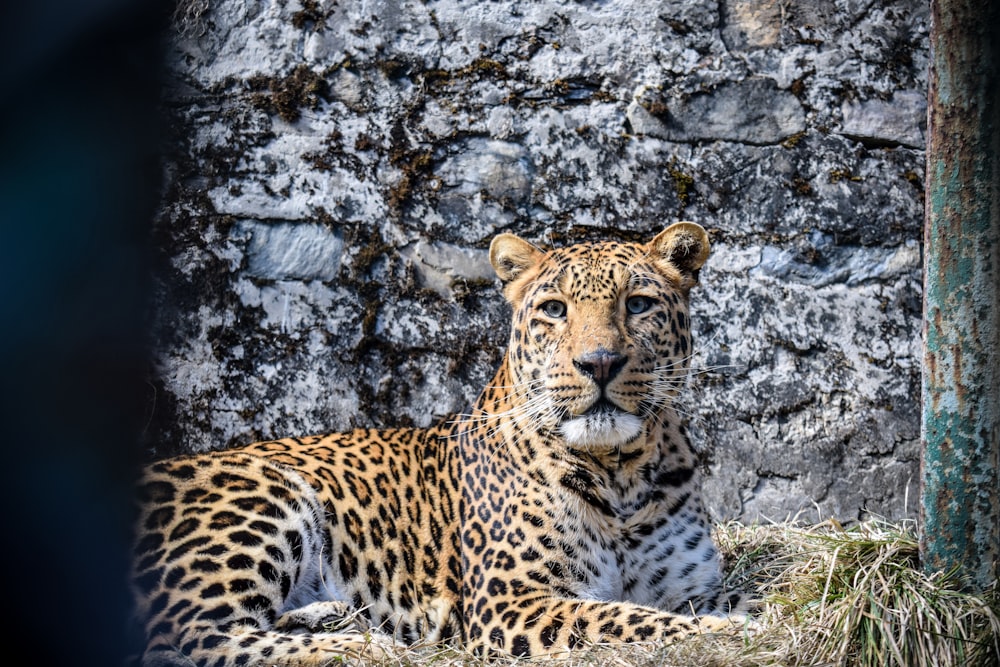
{"points": [[511, 256], [684, 246]]}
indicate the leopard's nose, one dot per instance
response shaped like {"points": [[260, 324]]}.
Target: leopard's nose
{"points": [[602, 365]]}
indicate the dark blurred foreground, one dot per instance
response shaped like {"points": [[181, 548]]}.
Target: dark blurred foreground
{"points": [[79, 173]]}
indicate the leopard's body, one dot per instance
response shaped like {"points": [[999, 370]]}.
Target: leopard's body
{"points": [[564, 509]]}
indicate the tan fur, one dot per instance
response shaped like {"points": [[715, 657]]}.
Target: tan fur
{"points": [[563, 510]]}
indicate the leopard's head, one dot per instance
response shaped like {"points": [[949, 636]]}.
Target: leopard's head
{"points": [[600, 339]]}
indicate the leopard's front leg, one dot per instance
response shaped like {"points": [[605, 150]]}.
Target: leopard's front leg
{"points": [[544, 625]]}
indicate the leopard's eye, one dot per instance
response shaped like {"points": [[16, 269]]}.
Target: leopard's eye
{"points": [[636, 305], [554, 309]]}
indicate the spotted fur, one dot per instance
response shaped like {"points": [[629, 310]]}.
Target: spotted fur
{"points": [[563, 510]]}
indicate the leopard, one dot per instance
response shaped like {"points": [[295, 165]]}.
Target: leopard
{"points": [[561, 511]]}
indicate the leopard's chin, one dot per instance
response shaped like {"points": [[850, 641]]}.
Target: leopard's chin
{"points": [[601, 427]]}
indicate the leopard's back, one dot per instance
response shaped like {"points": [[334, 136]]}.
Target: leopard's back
{"points": [[224, 541], [231, 545]]}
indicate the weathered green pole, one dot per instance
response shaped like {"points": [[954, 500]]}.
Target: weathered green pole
{"points": [[961, 376]]}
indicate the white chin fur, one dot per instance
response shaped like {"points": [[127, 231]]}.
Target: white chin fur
{"points": [[603, 429]]}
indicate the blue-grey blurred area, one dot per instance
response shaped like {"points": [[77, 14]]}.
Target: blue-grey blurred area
{"points": [[79, 174]]}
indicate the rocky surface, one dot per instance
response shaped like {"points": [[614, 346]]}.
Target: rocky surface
{"points": [[337, 170]]}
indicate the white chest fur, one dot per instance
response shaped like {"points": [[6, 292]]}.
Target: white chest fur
{"points": [[658, 561]]}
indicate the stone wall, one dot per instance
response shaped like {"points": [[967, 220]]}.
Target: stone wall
{"points": [[337, 170]]}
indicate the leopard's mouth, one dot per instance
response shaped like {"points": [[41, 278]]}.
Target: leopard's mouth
{"points": [[602, 424], [602, 406]]}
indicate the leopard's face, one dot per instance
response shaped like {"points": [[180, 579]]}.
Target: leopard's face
{"points": [[601, 337]]}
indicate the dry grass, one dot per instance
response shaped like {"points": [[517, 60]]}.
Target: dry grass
{"points": [[828, 596], [856, 596]]}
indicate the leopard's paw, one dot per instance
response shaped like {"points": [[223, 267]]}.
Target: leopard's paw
{"points": [[323, 616], [734, 623]]}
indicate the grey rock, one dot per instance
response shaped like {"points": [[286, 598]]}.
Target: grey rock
{"points": [[279, 251], [818, 261], [440, 266], [899, 120], [501, 170], [752, 111]]}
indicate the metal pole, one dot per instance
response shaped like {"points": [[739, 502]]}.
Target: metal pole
{"points": [[961, 374]]}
